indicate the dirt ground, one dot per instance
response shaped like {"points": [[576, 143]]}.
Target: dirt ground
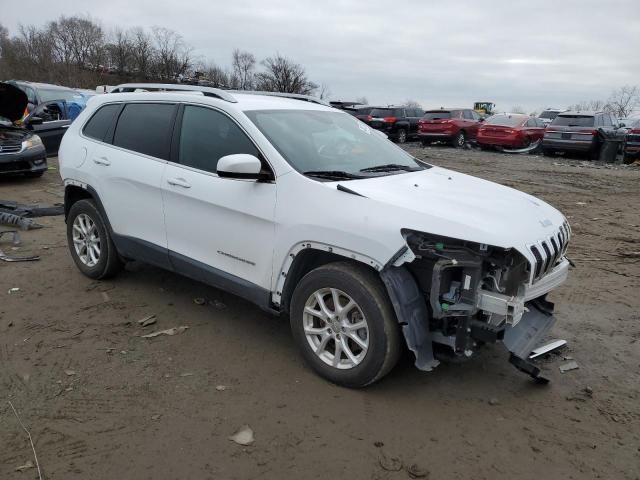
{"points": [[103, 403]]}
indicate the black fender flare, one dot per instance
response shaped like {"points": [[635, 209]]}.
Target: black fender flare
{"points": [[412, 313]]}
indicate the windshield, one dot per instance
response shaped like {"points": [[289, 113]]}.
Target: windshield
{"points": [[311, 141], [573, 121], [50, 94], [505, 120]]}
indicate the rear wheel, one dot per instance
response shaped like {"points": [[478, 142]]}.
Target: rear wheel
{"points": [[344, 324], [401, 135], [459, 140], [89, 241]]}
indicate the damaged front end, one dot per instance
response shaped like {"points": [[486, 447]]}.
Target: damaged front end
{"points": [[453, 296]]}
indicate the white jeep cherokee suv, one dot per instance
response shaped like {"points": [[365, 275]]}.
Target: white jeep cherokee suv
{"points": [[304, 210]]}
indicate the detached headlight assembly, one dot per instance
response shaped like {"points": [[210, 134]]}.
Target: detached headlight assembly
{"points": [[33, 141]]}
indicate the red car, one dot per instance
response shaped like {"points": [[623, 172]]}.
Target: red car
{"points": [[452, 125], [510, 131]]}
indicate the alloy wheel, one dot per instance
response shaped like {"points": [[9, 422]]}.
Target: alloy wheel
{"points": [[86, 240], [335, 328]]}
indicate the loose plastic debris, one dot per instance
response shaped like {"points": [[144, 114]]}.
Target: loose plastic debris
{"points": [[244, 436], [169, 331], [26, 466], [566, 367], [146, 321], [547, 348]]}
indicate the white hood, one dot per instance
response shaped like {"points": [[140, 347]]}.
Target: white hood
{"points": [[456, 205]]}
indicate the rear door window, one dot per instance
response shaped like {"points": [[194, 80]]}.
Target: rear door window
{"points": [[208, 135], [101, 121], [146, 128]]}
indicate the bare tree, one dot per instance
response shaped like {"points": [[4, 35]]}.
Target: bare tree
{"points": [[218, 76], [283, 75], [362, 100], [412, 103], [121, 49], [142, 53], [323, 91], [517, 109], [624, 101], [590, 105], [243, 65], [173, 57]]}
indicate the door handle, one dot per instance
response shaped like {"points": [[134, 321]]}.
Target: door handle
{"points": [[178, 182], [102, 161]]}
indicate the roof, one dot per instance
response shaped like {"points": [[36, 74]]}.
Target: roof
{"points": [[446, 109], [50, 86], [585, 113]]}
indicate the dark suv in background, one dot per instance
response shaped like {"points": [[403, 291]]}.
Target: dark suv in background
{"points": [[577, 132], [399, 123], [453, 125]]}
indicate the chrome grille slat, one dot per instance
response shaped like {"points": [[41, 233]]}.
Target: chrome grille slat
{"points": [[10, 148], [548, 252]]}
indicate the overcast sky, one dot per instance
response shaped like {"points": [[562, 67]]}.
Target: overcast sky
{"points": [[534, 54]]}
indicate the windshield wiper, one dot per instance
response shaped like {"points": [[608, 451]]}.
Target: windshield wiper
{"points": [[390, 167], [332, 174]]}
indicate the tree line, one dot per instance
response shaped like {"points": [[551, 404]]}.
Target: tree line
{"points": [[78, 52]]}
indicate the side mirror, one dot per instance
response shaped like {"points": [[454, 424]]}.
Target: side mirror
{"points": [[239, 166], [481, 119]]}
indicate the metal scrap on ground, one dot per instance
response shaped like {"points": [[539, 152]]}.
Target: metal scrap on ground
{"points": [[169, 331]]}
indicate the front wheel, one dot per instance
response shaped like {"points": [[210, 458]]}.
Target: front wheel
{"points": [[89, 241], [401, 135], [344, 324]]}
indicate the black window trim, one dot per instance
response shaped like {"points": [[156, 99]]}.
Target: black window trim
{"points": [[108, 136], [174, 153], [111, 131]]}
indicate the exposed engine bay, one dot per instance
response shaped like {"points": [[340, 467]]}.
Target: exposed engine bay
{"points": [[473, 294]]}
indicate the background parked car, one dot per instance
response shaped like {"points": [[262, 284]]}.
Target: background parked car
{"points": [[632, 143], [549, 114], [51, 109], [454, 125], [509, 130], [361, 112], [577, 132], [398, 123], [21, 151]]}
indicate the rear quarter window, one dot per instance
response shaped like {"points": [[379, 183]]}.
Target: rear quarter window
{"points": [[146, 128], [101, 121]]}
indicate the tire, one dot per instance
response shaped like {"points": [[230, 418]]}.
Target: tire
{"points": [[548, 153], [371, 307], [459, 140], [401, 135], [86, 223]]}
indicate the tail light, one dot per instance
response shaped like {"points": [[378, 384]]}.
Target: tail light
{"points": [[369, 118], [390, 119]]}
